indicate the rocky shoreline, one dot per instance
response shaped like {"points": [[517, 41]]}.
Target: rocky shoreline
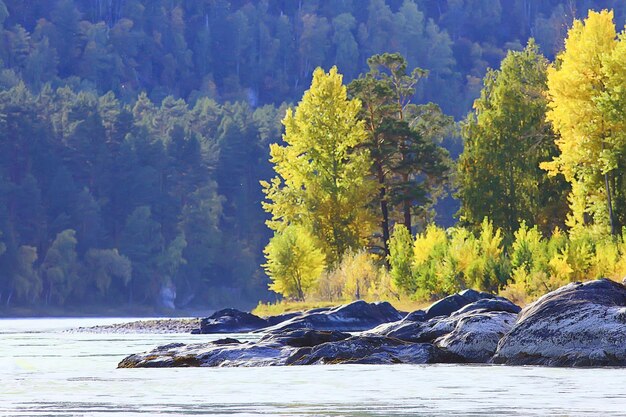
{"points": [[581, 324], [173, 325]]}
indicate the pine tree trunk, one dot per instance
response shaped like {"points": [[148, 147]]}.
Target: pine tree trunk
{"points": [[406, 206], [384, 224]]}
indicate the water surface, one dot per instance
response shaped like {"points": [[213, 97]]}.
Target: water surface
{"points": [[47, 372]]}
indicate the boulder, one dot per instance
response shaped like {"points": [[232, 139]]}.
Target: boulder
{"points": [[580, 324], [353, 317], [270, 350], [490, 304], [231, 320], [369, 350], [293, 347], [303, 337], [209, 354], [274, 320], [472, 332], [452, 303], [458, 330], [475, 334]]}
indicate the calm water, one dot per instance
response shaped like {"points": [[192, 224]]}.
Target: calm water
{"points": [[45, 372]]}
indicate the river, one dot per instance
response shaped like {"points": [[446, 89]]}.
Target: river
{"points": [[45, 371]]}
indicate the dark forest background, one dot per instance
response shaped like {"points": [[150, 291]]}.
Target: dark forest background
{"points": [[134, 133]]}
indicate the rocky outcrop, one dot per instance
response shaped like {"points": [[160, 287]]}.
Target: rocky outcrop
{"points": [[303, 337], [468, 334], [354, 317], [225, 353], [475, 334], [472, 332], [370, 350], [290, 347], [457, 302], [576, 325], [230, 320]]}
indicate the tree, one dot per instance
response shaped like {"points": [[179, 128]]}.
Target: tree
{"points": [[323, 179], [26, 280], [401, 258], [294, 263], [590, 142], [142, 242], [407, 162], [60, 267], [105, 265], [506, 137]]}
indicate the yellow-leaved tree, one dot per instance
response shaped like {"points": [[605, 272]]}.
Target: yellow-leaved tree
{"points": [[587, 110], [293, 261], [322, 184]]}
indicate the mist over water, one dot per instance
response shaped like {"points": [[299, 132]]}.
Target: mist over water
{"points": [[45, 371]]}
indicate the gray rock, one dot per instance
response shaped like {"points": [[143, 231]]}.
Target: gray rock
{"points": [[415, 331], [303, 337], [462, 302], [230, 320], [471, 332], [475, 334], [271, 350], [369, 350], [454, 302], [353, 317], [576, 325], [274, 320], [490, 304]]}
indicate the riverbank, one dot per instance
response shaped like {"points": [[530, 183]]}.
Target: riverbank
{"points": [[147, 326], [283, 306], [578, 325]]}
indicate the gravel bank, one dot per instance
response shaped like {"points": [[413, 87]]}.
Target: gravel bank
{"points": [[145, 326]]}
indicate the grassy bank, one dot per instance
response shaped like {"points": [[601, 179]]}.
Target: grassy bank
{"points": [[283, 306]]}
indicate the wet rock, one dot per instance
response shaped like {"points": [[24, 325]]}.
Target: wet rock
{"points": [[472, 332], [226, 341], [303, 337], [454, 302], [580, 324], [210, 355], [270, 350], [369, 350], [476, 333], [353, 317], [417, 315], [274, 320], [231, 320], [466, 331], [490, 304]]}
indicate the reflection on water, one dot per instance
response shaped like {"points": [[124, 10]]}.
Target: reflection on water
{"points": [[46, 372]]}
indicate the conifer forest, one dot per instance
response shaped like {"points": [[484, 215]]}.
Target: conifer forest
{"points": [[196, 154]]}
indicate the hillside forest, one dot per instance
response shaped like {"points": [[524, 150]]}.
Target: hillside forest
{"points": [[189, 154]]}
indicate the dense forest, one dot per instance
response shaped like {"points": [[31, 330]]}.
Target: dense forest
{"points": [[134, 135]]}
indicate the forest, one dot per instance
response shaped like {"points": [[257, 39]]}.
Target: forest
{"points": [[141, 153]]}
